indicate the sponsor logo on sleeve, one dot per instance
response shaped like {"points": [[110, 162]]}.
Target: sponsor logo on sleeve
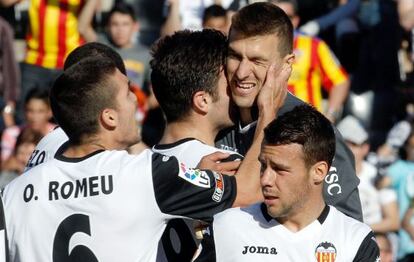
{"points": [[219, 190], [325, 252], [196, 177]]}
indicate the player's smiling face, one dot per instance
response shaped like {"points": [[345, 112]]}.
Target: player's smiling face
{"points": [[285, 179], [247, 63]]}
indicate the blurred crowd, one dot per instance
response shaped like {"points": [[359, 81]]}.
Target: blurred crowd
{"points": [[354, 62]]}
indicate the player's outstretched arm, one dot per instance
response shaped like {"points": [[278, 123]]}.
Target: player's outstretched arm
{"points": [[270, 99]]}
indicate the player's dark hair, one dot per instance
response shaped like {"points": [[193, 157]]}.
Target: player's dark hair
{"points": [[213, 11], [37, 93], [261, 19], [183, 64], [94, 49], [79, 95], [306, 126], [123, 8]]}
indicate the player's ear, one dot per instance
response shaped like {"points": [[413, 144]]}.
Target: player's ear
{"points": [[319, 171], [289, 58], [201, 102], [109, 118]]}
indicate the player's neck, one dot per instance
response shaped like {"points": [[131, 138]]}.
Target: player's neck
{"points": [[78, 151], [302, 217], [248, 115], [185, 129]]}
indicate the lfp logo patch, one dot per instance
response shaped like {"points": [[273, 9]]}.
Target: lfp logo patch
{"points": [[325, 252], [196, 177]]}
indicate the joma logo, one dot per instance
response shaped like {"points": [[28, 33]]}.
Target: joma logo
{"points": [[259, 250]]}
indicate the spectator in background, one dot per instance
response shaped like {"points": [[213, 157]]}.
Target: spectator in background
{"points": [[188, 14], [53, 34], [399, 173], [9, 76], [122, 27], [37, 116], [408, 223], [215, 17], [406, 14], [15, 164], [315, 67], [379, 206]]}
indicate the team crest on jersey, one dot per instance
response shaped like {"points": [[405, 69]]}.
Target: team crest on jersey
{"points": [[218, 192], [195, 176], [325, 252]]}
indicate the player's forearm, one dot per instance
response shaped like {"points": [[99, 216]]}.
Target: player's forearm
{"points": [[85, 21], [173, 21], [390, 221], [406, 223], [248, 175], [337, 97]]}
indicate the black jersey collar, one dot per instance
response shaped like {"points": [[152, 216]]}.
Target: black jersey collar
{"points": [[171, 145], [322, 217], [59, 154]]}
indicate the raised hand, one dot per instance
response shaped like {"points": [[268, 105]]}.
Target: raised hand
{"points": [[273, 93]]}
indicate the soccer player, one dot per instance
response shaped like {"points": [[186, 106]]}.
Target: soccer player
{"points": [[190, 84], [96, 202], [294, 223], [47, 147], [255, 42]]}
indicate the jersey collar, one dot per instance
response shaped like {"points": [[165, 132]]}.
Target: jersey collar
{"points": [[59, 154], [322, 217]]}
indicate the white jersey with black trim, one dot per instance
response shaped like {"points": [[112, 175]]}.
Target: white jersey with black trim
{"points": [[181, 245], [46, 149], [107, 206], [250, 234]]}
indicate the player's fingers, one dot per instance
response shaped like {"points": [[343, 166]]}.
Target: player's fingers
{"points": [[216, 156], [228, 166]]}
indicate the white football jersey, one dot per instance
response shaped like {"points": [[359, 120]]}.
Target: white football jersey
{"points": [[107, 206], [179, 242], [46, 149], [250, 234]]}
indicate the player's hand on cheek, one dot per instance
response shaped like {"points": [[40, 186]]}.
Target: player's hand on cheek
{"points": [[274, 90]]}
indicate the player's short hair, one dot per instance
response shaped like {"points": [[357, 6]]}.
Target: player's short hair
{"points": [[183, 64], [80, 94], [306, 126], [123, 8], [214, 11], [261, 19], [94, 49]]}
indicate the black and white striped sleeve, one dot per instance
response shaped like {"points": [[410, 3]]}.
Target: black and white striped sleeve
{"points": [[188, 192]]}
